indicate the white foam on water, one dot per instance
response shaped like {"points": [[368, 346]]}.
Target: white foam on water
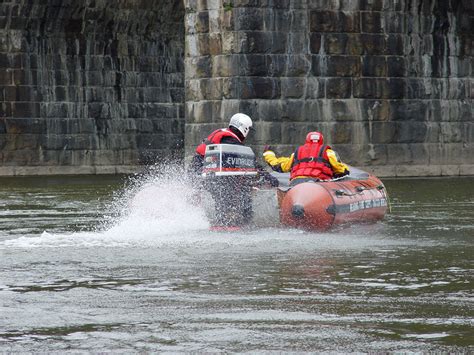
{"points": [[157, 206], [157, 209], [427, 336], [150, 224]]}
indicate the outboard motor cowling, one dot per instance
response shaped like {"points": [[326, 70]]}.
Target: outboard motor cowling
{"points": [[229, 172], [229, 160]]}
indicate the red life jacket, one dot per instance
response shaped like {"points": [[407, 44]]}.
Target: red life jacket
{"points": [[216, 138], [311, 160]]}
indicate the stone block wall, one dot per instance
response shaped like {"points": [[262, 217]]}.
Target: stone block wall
{"points": [[388, 82], [103, 86], [90, 86]]}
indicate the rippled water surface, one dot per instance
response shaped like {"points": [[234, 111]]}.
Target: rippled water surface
{"points": [[103, 264]]}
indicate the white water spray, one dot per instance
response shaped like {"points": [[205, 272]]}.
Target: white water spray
{"points": [[157, 210], [157, 204], [154, 208]]}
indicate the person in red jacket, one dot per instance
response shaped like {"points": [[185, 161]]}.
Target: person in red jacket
{"points": [[231, 194], [312, 161], [239, 127]]}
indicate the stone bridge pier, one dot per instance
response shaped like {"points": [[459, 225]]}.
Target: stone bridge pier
{"points": [[389, 83], [97, 86], [90, 86]]}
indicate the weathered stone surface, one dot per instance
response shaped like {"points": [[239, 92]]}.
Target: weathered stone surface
{"points": [[382, 132], [91, 77], [342, 66], [387, 82], [260, 88], [252, 65], [341, 133], [315, 88], [374, 66], [343, 43], [334, 21], [371, 22], [338, 88], [342, 110], [396, 66], [293, 87]]}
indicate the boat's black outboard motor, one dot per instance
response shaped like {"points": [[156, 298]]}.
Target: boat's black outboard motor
{"points": [[229, 172]]}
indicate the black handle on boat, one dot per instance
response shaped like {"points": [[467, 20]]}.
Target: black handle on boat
{"points": [[343, 193]]}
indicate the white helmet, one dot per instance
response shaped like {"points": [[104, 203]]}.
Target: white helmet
{"points": [[242, 122]]}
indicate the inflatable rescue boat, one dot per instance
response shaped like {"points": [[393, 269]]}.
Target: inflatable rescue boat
{"points": [[315, 205], [319, 205]]}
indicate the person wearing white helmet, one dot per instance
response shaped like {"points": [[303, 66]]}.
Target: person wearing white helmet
{"points": [[240, 124], [231, 194], [239, 127]]}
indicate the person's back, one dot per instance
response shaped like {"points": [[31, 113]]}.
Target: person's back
{"points": [[239, 128], [313, 160], [231, 194]]}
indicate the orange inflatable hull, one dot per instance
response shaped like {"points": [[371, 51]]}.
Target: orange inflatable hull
{"points": [[323, 205]]}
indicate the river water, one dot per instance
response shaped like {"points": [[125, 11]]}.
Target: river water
{"points": [[107, 263]]}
